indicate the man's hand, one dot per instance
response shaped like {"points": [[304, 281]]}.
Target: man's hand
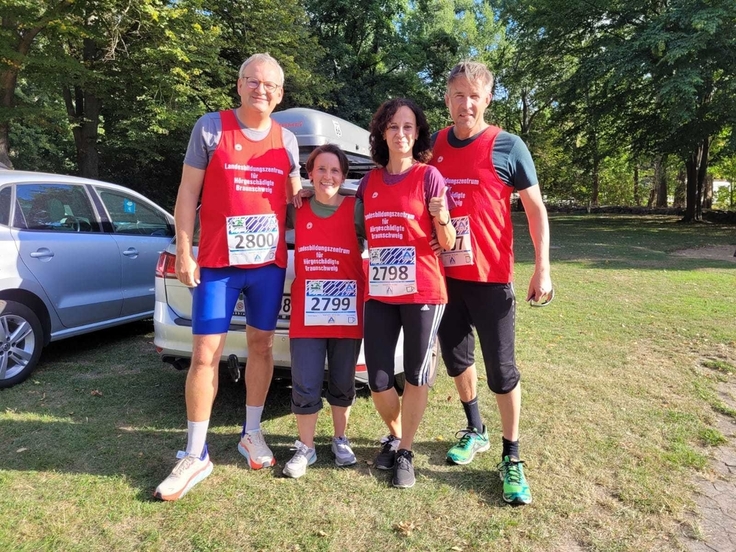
{"points": [[540, 286], [435, 245], [303, 194], [187, 270]]}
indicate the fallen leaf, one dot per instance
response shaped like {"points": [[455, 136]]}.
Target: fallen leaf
{"points": [[22, 449], [321, 534], [96, 393], [405, 528]]}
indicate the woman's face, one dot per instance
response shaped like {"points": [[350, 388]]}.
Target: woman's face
{"points": [[401, 132], [326, 176]]}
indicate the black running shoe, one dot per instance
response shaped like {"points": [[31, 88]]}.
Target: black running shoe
{"points": [[404, 470], [385, 458]]}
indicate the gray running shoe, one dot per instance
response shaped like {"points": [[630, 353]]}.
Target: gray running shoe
{"points": [[385, 458], [344, 455], [303, 457], [404, 470]]}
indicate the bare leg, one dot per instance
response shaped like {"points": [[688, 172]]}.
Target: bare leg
{"points": [[259, 368], [467, 384], [413, 405], [202, 378], [307, 424], [509, 408], [388, 405], [340, 415]]}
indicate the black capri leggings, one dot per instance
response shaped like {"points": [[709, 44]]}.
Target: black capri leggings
{"points": [[383, 323]]}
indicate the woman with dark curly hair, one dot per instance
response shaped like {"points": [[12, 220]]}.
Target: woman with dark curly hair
{"points": [[405, 205]]}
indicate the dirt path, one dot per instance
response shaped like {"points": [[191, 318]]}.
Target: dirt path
{"points": [[720, 252], [716, 495]]}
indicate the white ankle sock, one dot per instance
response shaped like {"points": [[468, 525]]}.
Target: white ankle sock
{"points": [[196, 437], [252, 418]]}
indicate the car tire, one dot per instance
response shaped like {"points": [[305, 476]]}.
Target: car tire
{"points": [[15, 316]]}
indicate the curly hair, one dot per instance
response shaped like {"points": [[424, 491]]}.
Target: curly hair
{"points": [[422, 150], [329, 148]]}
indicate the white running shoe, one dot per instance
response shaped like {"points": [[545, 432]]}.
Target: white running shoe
{"points": [[253, 446], [187, 472], [303, 457], [344, 455]]}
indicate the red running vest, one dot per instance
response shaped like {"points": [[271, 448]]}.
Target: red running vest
{"points": [[402, 268], [244, 178], [327, 292], [484, 248]]}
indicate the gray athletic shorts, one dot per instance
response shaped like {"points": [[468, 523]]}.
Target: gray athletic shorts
{"points": [[308, 372]]}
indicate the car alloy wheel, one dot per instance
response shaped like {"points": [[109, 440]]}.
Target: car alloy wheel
{"points": [[21, 341]]}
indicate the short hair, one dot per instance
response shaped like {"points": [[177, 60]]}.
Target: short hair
{"points": [[474, 71], [261, 58], [422, 150], [333, 149]]}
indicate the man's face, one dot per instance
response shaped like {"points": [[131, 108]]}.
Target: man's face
{"points": [[253, 87], [467, 102]]}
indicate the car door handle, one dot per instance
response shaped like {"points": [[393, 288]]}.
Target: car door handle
{"points": [[42, 253], [131, 252]]}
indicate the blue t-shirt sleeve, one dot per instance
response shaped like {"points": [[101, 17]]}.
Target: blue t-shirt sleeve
{"points": [[513, 161]]}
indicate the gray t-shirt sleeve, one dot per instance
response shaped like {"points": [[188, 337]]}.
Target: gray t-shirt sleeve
{"points": [[203, 141], [292, 150], [513, 161], [208, 130]]}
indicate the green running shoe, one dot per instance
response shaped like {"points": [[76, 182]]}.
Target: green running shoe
{"points": [[470, 442], [515, 488]]}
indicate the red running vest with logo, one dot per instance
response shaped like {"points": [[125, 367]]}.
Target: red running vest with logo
{"points": [[397, 216], [242, 178], [484, 198], [327, 255]]}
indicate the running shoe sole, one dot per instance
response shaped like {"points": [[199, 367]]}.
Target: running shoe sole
{"points": [[253, 464], [460, 462], [196, 478]]}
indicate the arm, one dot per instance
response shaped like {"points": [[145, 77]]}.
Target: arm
{"points": [[185, 213], [441, 220], [536, 214], [293, 189]]}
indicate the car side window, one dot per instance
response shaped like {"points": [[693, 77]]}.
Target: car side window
{"points": [[54, 207], [5, 195], [131, 216]]}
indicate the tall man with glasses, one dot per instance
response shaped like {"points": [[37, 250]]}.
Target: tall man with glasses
{"points": [[245, 167], [482, 166]]}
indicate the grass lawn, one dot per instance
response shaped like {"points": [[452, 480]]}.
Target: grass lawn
{"points": [[618, 415]]}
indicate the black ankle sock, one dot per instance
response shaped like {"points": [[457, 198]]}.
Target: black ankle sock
{"points": [[472, 413], [510, 449]]}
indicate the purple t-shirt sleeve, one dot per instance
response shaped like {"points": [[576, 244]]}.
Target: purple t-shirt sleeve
{"points": [[361, 186], [434, 185]]}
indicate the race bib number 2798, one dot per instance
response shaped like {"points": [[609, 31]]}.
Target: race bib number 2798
{"points": [[392, 271]]}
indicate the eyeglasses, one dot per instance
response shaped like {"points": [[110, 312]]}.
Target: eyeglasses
{"points": [[546, 300], [269, 86]]}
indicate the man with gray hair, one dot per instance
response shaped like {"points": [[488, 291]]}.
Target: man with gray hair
{"points": [[482, 166], [244, 168]]}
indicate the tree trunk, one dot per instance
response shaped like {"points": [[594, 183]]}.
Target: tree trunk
{"points": [[708, 197], [660, 180], [680, 189], [696, 166], [637, 193], [83, 110], [596, 181]]}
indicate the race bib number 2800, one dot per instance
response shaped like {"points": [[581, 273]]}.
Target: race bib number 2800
{"points": [[392, 271], [252, 239]]}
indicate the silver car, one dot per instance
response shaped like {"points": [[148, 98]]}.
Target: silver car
{"points": [[172, 318], [76, 255]]}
